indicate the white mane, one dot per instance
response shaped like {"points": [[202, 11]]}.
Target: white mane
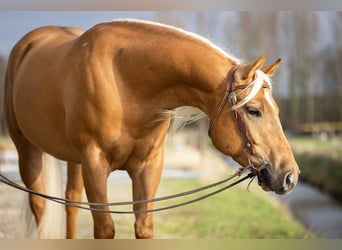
{"points": [[182, 116]]}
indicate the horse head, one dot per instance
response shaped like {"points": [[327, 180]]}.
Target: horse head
{"points": [[247, 127]]}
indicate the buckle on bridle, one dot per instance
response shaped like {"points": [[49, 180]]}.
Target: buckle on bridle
{"points": [[261, 166], [257, 169], [232, 97]]}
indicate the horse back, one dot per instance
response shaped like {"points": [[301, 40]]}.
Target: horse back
{"points": [[36, 38]]}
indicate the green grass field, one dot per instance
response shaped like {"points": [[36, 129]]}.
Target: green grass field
{"points": [[331, 148], [320, 162], [233, 214]]}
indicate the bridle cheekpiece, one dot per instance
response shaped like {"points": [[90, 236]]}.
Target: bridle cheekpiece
{"points": [[231, 97]]}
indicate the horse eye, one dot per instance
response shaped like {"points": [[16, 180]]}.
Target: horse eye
{"points": [[253, 111]]}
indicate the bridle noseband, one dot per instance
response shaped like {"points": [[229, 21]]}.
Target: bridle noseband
{"points": [[230, 95]]}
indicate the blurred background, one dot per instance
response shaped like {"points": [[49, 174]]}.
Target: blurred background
{"points": [[307, 87]]}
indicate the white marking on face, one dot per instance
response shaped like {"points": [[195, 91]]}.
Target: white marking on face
{"points": [[269, 99]]}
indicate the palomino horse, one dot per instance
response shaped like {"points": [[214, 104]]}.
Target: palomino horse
{"points": [[98, 100]]}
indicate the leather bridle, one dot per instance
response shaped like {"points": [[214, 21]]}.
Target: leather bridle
{"points": [[230, 95]]}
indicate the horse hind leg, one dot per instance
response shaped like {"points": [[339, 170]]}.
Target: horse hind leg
{"points": [[30, 167], [30, 157], [73, 192], [41, 179]]}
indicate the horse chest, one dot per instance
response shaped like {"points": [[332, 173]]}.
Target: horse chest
{"points": [[133, 154]]}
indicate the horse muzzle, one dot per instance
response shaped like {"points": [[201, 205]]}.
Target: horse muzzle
{"points": [[278, 183]]}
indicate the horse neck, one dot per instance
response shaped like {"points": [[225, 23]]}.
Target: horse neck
{"points": [[175, 72]]}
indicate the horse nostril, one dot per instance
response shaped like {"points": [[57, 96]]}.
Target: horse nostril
{"points": [[289, 181]]}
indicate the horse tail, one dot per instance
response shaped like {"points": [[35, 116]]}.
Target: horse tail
{"points": [[53, 223]]}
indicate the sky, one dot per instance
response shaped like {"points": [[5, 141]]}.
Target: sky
{"points": [[15, 24]]}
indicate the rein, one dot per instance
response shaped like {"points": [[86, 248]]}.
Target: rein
{"points": [[79, 204], [230, 95]]}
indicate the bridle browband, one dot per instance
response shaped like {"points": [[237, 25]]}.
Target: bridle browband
{"points": [[230, 95]]}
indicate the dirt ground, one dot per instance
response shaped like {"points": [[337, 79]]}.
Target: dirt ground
{"points": [[11, 206]]}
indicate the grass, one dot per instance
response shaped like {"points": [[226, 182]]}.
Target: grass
{"points": [[330, 148], [233, 214], [320, 162]]}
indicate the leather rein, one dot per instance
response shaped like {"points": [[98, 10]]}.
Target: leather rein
{"points": [[230, 95], [93, 206]]}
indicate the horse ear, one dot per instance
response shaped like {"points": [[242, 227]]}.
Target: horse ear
{"points": [[271, 69], [249, 70]]}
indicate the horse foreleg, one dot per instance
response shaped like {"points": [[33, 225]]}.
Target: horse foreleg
{"points": [[73, 192], [145, 184], [95, 170]]}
